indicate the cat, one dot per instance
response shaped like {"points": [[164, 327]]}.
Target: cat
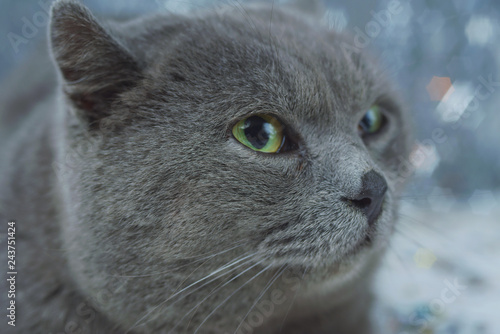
{"points": [[231, 171]]}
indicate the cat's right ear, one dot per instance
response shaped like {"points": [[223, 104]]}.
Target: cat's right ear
{"points": [[94, 65]]}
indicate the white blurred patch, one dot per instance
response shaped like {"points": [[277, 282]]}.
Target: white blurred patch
{"points": [[179, 7], [456, 101], [479, 30], [441, 199], [335, 19], [403, 18], [424, 158], [482, 202]]}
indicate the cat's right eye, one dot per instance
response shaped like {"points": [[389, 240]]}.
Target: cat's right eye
{"points": [[372, 122], [262, 133]]}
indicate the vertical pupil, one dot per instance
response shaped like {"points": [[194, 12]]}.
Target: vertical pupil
{"points": [[255, 131]]}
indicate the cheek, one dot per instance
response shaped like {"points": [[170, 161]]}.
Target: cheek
{"points": [[245, 198]]}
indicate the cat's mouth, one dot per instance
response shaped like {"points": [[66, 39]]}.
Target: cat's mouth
{"points": [[291, 243], [296, 250]]}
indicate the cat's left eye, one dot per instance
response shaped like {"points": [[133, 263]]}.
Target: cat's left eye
{"points": [[372, 122], [262, 133]]}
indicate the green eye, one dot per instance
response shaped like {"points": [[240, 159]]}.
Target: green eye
{"points": [[263, 133], [372, 121]]}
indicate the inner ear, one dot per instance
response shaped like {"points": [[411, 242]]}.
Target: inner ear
{"points": [[94, 65]]}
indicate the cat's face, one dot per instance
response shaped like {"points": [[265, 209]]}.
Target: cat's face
{"points": [[175, 183]]}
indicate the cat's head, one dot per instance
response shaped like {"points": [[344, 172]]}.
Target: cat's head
{"points": [[249, 138]]}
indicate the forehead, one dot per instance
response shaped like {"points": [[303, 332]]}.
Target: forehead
{"points": [[284, 66]]}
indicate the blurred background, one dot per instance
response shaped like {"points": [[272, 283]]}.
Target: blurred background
{"points": [[440, 274]]}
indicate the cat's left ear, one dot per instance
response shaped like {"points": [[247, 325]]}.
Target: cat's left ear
{"points": [[94, 64]]}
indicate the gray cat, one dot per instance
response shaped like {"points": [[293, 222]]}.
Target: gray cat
{"points": [[234, 171]]}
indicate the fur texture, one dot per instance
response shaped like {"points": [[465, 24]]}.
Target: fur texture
{"points": [[137, 211]]}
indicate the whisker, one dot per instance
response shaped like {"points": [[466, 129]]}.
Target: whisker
{"points": [[271, 281], [423, 228], [271, 42], [415, 241], [232, 263], [430, 229], [220, 286], [293, 301], [213, 279], [186, 278], [238, 244], [440, 243], [419, 196], [198, 259], [247, 16], [232, 294], [400, 262], [201, 286]]}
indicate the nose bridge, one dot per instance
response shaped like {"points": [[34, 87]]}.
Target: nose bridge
{"points": [[349, 174], [344, 164]]}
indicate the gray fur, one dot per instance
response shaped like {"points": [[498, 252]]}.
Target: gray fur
{"points": [[128, 176]]}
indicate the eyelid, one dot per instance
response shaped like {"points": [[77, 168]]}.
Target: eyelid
{"points": [[387, 104]]}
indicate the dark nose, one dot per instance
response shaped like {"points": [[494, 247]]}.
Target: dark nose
{"points": [[371, 195]]}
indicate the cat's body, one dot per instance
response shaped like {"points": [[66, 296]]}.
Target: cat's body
{"points": [[130, 195]]}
